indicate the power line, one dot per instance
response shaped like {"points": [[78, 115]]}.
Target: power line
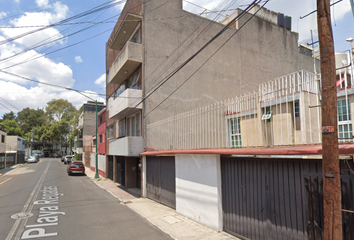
{"points": [[43, 55], [209, 57], [64, 24], [101, 7], [302, 17], [184, 50], [252, 5], [9, 103], [6, 107]]}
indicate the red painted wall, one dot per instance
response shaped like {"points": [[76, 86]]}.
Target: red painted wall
{"points": [[101, 131]]}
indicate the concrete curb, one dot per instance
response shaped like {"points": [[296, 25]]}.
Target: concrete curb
{"points": [[162, 217]]}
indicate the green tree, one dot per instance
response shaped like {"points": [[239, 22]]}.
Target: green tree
{"points": [[58, 109], [30, 118], [12, 128], [9, 116], [61, 115]]}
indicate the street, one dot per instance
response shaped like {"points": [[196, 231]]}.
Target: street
{"points": [[41, 201]]}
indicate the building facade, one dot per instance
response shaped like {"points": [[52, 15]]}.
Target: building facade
{"points": [[3, 136], [15, 149], [230, 134], [86, 129], [101, 154]]}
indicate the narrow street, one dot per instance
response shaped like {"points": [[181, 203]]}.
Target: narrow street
{"points": [[41, 201]]}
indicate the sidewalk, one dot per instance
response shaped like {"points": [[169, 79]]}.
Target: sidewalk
{"points": [[164, 218]]}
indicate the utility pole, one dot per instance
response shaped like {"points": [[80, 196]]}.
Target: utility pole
{"points": [[332, 207]]}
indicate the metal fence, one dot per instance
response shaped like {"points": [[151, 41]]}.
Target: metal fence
{"points": [[285, 111]]}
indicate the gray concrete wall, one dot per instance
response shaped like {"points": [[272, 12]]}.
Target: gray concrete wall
{"points": [[261, 51], [3, 144]]}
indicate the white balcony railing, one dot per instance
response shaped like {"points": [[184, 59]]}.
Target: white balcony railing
{"points": [[126, 146], [284, 112], [126, 103]]}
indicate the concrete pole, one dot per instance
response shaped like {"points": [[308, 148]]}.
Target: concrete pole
{"points": [[332, 207]]}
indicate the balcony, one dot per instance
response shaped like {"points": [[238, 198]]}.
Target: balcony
{"points": [[128, 60], [126, 29], [127, 146], [125, 103]]}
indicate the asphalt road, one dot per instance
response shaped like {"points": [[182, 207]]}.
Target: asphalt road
{"points": [[40, 201]]}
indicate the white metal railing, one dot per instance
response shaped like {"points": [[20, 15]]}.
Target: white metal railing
{"points": [[293, 104]]}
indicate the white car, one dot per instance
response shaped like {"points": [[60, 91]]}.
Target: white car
{"points": [[32, 159], [68, 159]]}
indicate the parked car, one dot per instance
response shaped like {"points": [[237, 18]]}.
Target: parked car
{"points": [[63, 158], [58, 156], [32, 159], [36, 156], [76, 167], [67, 159]]}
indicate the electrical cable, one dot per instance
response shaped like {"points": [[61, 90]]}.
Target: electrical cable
{"points": [[101, 7], [185, 50], [162, 68], [208, 58], [74, 44], [6, 107], [9, 103], [252, 5]]}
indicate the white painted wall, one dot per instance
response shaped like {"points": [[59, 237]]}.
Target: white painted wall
{"points": [[198, 189], [101, 161]]}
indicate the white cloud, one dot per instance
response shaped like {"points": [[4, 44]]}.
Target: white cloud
{"points": [[101, 80], [78, 59], [3, 14], [60, 12], [42, 3]]}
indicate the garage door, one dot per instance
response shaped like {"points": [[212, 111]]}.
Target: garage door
{"points": [[161, 180], [279, 199]]}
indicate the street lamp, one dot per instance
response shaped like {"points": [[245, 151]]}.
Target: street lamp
{"points": [[350, 40], [96, 169]]}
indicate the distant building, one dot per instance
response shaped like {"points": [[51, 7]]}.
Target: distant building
{"points": [[15, 149], [86, 129], [3, 136], [101, 134]]}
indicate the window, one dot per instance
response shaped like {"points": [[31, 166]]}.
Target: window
{"points": [[110, 132], [120, 90], [2, 138], [133, 82], [133, 125], [345, 132], [235, 132], [137, 37], [121, 128], [297, 109], [94, 142], [100, 139], [267, 114], [100, 119]]}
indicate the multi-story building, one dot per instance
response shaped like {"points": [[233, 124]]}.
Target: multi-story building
{"points": [[86, 129], [245, 163], [16, 147], [3, 136], [101, 153]]}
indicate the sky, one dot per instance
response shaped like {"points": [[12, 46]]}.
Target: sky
{"points": [[72, 54]]}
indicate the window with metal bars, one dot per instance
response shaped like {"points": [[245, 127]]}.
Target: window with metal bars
{"points": [[235, 132], [345, 132]]}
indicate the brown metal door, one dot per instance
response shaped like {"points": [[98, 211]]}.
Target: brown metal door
{"points": [[160, 180]]}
